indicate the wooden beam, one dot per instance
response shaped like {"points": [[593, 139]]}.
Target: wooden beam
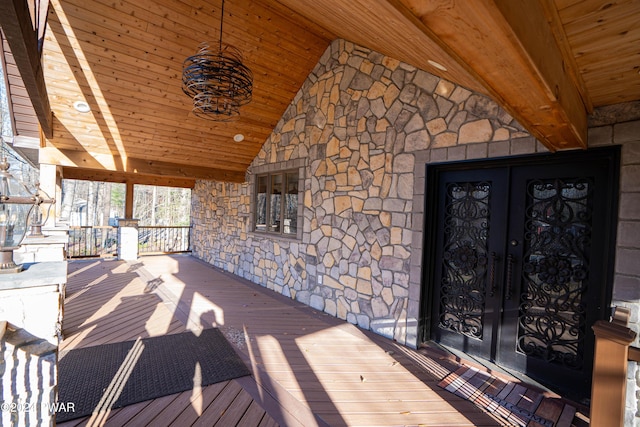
{"points": [[569, 62], [123, 177], [110, 163], [510, 48], [128, 201], [15, 21]]}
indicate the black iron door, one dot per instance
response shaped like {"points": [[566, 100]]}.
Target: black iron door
{"points": [[522, 256], [469, 238]]}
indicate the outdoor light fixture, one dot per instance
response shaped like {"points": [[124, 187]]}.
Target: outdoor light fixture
{"points": [[37, 219], [81, 107], [15, 204], [217, 80], [437, 65]]}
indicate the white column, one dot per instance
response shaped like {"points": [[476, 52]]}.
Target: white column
{"points": [[50, 183], [127, 239]]}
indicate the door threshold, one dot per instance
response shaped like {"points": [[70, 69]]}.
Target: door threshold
{"points": [[493, 368]]}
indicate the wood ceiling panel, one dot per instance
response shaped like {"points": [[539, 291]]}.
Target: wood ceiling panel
{"points": [[271, 58], [585, 10], [562, 4], [389, 28], [547, 62], [116, 77], [95, 143], [605, 42], [138, 167], [125, 59]]}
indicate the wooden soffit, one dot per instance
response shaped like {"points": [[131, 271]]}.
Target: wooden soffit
{"points": [[23, 26]]}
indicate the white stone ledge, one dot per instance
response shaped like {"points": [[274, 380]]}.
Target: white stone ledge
{"points": [[34, 275]]}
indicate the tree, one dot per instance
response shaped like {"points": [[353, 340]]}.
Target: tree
{"points": [[93, 203]]}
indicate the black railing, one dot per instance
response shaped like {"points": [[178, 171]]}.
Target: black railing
{"points": [[92, 241], [102, 241], [163, 239]]}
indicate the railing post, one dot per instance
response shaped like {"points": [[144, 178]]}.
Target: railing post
{"points": [[608, 392], [128, 239]]}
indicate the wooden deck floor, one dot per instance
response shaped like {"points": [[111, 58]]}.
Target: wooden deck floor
{"points": [[309, 369]]}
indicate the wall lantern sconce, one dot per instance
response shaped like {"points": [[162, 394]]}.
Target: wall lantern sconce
{"points": [[16, 204], [37, 219]]}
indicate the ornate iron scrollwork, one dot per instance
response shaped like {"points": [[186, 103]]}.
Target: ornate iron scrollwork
{"points": [[464, 263], [552, 322]]}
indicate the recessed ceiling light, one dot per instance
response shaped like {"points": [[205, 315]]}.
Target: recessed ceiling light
{"points": [[238, 137], [81, 106], [437, 65]]}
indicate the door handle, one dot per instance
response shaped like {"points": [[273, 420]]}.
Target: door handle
{"points": [[492, 275], [510, 261]]}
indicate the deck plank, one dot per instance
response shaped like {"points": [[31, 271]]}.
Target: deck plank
{"points": [[308, 368], [297, 347], [195, 408], [149, 412], [120, 416], [253, 415], [183, 400], [214, 412], [236, 410]]}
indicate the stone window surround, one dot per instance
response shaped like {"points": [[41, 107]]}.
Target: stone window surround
{"points": [[274, 168]]}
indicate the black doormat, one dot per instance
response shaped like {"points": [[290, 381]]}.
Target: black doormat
{"points": [[116, 375]]}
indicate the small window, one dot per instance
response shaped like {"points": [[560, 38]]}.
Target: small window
{"points": [[277, 203]]}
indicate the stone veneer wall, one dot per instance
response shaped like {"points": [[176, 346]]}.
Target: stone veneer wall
{"points": [[620, 125], [361, 129]]}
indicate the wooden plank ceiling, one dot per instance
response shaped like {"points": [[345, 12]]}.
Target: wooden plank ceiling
{"points": [[547, 62]]}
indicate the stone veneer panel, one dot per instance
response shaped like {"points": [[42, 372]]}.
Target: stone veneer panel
{"points": [[361, 128], [616, 126]]}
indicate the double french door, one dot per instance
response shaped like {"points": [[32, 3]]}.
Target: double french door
{"points": [[520, 259]]}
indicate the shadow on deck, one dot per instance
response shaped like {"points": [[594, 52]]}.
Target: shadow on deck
{"points": [[308, 368]]}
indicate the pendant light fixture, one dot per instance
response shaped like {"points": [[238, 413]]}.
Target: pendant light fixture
{"points": [[216, 80]]}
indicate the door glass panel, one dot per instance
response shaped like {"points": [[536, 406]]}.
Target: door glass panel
{"points": [[464, 260], [552, 320]]}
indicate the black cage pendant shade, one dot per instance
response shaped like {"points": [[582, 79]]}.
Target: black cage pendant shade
{"points": [[217, 81]]}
